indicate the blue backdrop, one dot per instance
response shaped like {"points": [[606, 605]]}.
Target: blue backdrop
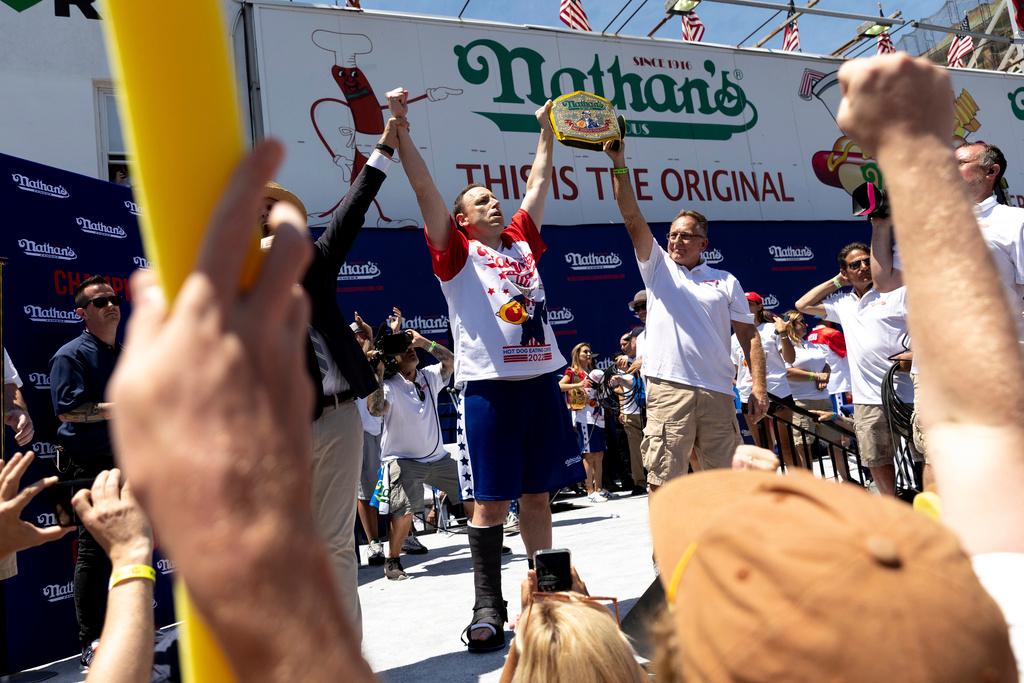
{"points": [[61, 227]]}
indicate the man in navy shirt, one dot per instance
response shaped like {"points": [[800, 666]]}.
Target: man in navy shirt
{"points": [[79, 373]]}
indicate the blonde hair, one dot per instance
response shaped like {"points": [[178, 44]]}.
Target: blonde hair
{"points": [[575, 357], [791, 317], [575, 640]]}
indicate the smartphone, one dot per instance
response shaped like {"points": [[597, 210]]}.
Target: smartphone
{"points": [[60, 494], [552, 570]]}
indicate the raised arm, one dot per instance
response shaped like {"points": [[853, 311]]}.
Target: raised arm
{"points": [[750, 342], [810, 302], [436, 350], [971, 411], [336, 241], [785, 344], [436, 218], [639, 232], [538, 185], [884, 277]]}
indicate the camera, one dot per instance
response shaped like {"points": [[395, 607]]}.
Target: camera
{"points": [[871, 201], [392, 344]]}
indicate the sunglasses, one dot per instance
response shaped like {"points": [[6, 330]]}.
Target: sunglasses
{"points": [[103, 301], [859, 263], [420, 392], [639, 307], [611, 604]]}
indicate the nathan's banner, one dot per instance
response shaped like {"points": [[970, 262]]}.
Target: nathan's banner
{"points": [[738, 134]]}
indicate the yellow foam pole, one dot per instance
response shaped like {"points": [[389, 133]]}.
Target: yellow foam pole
{"points": [[179, 109]]}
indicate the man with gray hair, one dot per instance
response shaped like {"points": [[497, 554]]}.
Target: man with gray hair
{"points": [[686, 358]]}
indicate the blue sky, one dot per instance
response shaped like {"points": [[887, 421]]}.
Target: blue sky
{"points": [[726, 24]]}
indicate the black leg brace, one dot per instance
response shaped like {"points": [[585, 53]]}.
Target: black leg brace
{"points": [[485, 547]]}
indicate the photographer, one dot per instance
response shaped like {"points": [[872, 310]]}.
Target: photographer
{"points": [[412, 447]]}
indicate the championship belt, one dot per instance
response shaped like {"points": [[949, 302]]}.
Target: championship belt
{"points": [[585, 120], [576, 399]]}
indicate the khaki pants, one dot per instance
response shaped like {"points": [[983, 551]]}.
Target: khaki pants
{"points": [[681, 418], [634, 427], [337, 460]]}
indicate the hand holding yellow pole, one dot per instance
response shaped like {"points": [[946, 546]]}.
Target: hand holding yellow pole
{"points": [[178, 102]]}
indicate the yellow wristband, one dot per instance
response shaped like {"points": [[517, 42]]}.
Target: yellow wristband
{"points": [[620, 170], [132, 571], [433, 345]]}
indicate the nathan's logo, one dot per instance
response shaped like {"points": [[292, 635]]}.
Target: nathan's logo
{"points": [[592, 261], [40, 380], [426, 325], [98, 228], [141, 262], [522, 74], [165, 567], [791, 253], [132, 207], [47, 250], [367, 270], [38, 314], [39, 187], [56, 592], [61, 8], [44, 450], [560, 316], [46, 519], [605, 363], [770, 301], [712, 256]]}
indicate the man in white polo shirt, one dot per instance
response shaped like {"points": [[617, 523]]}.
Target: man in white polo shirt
{"points": [[981, 167], [690, 309], [875, 326], [412, 448]]}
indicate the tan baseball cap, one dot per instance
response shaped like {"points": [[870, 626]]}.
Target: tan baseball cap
{"points": [[283, 194], [798, 579]]}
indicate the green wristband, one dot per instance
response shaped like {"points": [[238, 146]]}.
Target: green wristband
{"points": [[620, 170]]}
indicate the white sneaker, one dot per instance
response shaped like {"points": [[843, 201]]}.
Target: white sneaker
{"points": [[606, 494], [375, 554], [596, 497], [511, 523]]}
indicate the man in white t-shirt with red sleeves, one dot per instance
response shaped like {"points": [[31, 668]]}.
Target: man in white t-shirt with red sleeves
{"points": [[515, 440]]}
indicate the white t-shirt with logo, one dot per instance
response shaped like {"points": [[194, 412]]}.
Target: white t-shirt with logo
{"points": [[875, 327], [497, 304], [744, 382], [689, 316], [412, 429], [809, 358], [774, 365]]}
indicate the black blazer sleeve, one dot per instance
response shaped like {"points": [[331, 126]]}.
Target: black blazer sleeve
{"points": [[336, 241]]}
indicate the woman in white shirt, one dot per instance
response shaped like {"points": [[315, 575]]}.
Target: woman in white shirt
{"points": [[809, 375]]}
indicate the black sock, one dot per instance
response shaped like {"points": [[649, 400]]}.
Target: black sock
{"points": [[529, 563], [485, 547]]}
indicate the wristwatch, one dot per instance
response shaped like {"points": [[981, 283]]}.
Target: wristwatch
{"points": [[387, 149]]}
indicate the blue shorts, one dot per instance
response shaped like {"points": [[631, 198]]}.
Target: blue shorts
{"points": [[590, 438], [515, 437]]}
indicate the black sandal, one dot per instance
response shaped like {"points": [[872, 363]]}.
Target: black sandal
{"points": [[492, 618]]}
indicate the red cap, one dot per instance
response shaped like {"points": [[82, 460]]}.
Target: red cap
{"points": [[755, 297]]}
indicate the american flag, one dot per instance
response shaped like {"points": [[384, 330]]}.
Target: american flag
{"points": [[960, 47], [693, 27], [885, 46], [791, 37], [573, 15]]}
